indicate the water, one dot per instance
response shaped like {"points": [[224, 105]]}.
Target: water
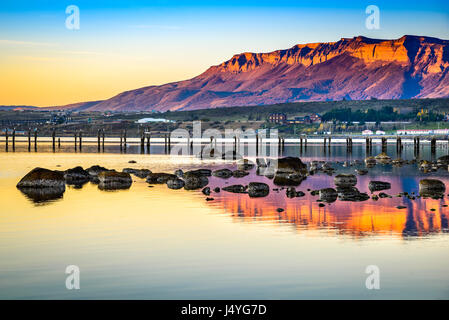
{"points": [[156, 243]]}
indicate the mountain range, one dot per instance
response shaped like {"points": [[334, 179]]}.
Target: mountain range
{"points": [[356, 68]]}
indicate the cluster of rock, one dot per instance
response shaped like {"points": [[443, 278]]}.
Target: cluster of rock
{"points": [[43, 184]]}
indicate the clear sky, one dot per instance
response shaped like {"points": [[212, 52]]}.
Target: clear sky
{"points": [[123, 45]]}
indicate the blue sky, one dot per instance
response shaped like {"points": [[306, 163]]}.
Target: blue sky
{"points": [[128, 44]]}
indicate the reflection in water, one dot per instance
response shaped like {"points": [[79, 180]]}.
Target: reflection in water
{"points": [[160, 243], [43, 195]]}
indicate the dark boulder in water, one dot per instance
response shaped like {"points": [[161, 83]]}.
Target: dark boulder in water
{"points": [[139, 173], [432, 188], [199, 172], [345, 180], [328, 195], [112, 180], [288, 179], [258, 189], [175, 184], [42, 178], [94, 171], [236, 188], [206, 191], [240, 173], [443, 160], [291, 165], [76, 176], [222, 173], [193, 182], [378, 186], [351, 194], [159, 177]]}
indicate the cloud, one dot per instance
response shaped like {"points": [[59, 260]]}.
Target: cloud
{"points": [[25, 43]]}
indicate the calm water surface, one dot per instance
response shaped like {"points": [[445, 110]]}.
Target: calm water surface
{"points": [[155, 243]]}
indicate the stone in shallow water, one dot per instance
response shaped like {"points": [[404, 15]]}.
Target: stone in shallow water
{"points": [[291, 165], [239, 173], [193, 182], [175, 184], [111, 180], [378, 186], [236, 188], [431, 188], [258, 189], [361, 172], [222, 173], [159, 177], [345, 180], [76, 176], [328, 195], [140, 173], [199, 172], [288, 179], [351, 194], [42, 178]]}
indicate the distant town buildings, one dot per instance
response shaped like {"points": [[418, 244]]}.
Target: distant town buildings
{"points": [[281, 118], [277, 118], [422, 131]]}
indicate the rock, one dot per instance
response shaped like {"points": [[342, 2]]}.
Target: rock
{"points": [[443, 160], [261, 162], [239, 173], [384, 195], [76, 176], [398, 162], [206, 191], [345, 180], [328, 195], [321, 205], [401, 207], [175, 184], [95, 170], [382, 157], [112, 180], [258, 189], [199, 172], [236, 188], [222, 173], [361, 172], [378, 186], [209, 199], [431, 188], [351, 194], [216, 189], [370, 161], [132, 161], [179, 173], [140, 173], [425, 165], [288, 179], [245, 164], [194, 182], [291, 165], [280, 210], [42, 178], [291, 192], [160, 177]]}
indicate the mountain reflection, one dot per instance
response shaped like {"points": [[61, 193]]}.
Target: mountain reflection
{"points": [[421, 217]]}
